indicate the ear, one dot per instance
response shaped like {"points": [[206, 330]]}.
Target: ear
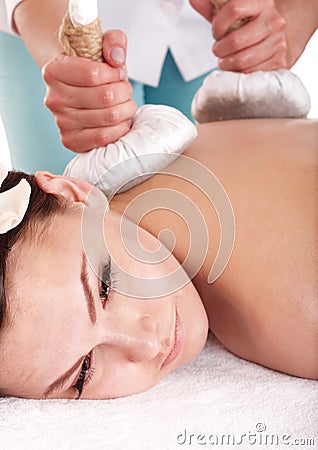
{"points": [[72, 189]]}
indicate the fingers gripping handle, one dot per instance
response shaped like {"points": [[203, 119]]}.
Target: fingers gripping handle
{"points": [[218, 4], [226, 95], [158, 135]]}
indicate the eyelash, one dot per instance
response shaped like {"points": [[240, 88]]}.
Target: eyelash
{"points": [[83, 380], [104, 294], [106, 283]]}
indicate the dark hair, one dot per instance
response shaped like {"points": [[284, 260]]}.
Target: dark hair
{"points": [[42, 207]]}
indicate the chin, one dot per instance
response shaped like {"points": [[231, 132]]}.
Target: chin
{"points": [[197, 340]]}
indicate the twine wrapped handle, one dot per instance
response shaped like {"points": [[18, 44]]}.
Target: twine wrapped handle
{"points": [[218, 5], [85, 41]]}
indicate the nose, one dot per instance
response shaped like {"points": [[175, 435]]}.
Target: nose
{"points": [[134, 338]]}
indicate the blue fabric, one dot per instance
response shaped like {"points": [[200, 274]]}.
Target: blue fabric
{"points": [[172, 89], [33, 137]]}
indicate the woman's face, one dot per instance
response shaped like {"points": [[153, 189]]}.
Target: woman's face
{"points": [[72, 313]]}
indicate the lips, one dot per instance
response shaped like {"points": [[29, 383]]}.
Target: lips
{"points": [[177, 343]]}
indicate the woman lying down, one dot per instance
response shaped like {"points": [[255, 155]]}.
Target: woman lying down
{"points": [[102, 300]]}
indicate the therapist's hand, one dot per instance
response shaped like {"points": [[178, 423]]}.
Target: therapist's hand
{"points": [[260, 44], [90, 101]]}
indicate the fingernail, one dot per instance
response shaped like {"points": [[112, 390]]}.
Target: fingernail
{"points": [[122, 73], [117, 54]]}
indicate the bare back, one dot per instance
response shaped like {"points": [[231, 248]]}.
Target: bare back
{"points": [[264, 306]]}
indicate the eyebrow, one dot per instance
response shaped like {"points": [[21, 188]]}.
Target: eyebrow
{"points": [[88, 291], [58, 384]]}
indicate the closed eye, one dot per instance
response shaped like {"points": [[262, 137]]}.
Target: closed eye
{"points": [[106, 283]]}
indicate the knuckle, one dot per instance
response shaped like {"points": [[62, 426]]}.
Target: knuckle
{"points": [[68, 141], [113, 117], [46, 101], [59, 123], [233, 40], [107, 96], [47, 72], [234, 9], [50, 101], [63, 124], [283, 45], [280, 23], [217, 50], [223, 65], [238, 64], [93, 76], [102, 137]]}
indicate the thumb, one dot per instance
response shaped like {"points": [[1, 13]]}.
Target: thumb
{"points": [[203, 7], [115, 47]]}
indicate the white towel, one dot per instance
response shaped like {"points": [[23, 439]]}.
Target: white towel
{"points": [[217, 394]]}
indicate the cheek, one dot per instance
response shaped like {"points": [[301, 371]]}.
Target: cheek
{"points": [[123, 379], [136, 251], [148, 276]]}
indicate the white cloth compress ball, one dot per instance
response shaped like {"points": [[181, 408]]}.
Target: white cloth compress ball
{"points": [[158, 135], [228, 95]]}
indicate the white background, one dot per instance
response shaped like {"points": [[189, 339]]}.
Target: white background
{"points": [[306, 68]]}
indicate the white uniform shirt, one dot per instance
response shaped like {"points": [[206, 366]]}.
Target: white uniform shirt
{"points": [[153, 27], [3, 18]]}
